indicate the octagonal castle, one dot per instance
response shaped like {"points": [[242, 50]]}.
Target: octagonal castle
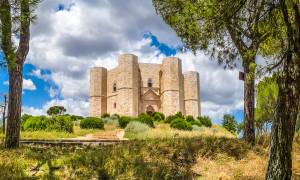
{"points": [[133, 88]]}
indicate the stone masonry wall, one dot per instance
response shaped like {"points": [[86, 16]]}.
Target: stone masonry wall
{"points": [[98, 92], [192, 93], [171, 91]]}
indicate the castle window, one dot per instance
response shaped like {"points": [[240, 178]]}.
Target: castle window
{"points": [[114, 87], [115, 105], [150, 83]]}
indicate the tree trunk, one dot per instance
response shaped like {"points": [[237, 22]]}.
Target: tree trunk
{"points": [[283, 127], [249, 92], [14, 106]]}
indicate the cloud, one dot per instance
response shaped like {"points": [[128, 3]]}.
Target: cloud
{"points": [[28, 85], [73, 107], [70, 37]]}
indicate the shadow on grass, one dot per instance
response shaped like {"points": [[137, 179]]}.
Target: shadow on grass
{"points": [[141, 159]]}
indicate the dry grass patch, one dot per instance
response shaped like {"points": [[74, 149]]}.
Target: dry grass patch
{"points": [[252, 166], [162, 130]]}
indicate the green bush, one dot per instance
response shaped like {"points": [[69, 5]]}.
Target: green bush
{"points": [[105, 115], [230, 123], [147, 119], [124, 120], [54, 123], [189, 118], [157, 116], [196, 122], [170, 118], [205, 121], [76, 118], [181, 124], [136, 127], [91, 123]]}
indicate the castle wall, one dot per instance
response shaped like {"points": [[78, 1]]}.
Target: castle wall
{"points": [[98, 92], [124, 90], [172, 99], [192, 93], [129, 85], [112, 97], [150, 71]]}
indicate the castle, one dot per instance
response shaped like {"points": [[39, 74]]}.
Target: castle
{"points": [[133, 88]]}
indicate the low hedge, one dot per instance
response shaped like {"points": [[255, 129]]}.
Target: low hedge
{"points": [[124, 120], [181, 124], [157, 116], [91, 123], [54, 123], [205, 121], [146, 119], [170, 118]]}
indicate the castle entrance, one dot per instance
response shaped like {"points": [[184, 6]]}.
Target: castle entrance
{"points": [[150, 109]]}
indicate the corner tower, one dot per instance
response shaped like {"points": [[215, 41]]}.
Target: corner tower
{"points": [[129, 85], [192, 93], [172, 96], [98, 91]]}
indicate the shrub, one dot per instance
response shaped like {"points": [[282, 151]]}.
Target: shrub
{"points": [[136, 127], [76, 118], [189, 118], [145, 118], [115, 116], [60, 123], [34, 123], [157, 116], [230, 123], [196, 122], [56, 123], [169, 119], [205, 121], [124, 120], [105, 115], [181, 124], [91, 123]]}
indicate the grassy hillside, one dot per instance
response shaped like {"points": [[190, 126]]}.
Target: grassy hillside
{"points": [[168, 158]]}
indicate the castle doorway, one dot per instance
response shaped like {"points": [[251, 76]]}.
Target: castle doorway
{"points": [[150, 110]]}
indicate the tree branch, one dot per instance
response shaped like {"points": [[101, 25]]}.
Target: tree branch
{"points": [[6, 24]]}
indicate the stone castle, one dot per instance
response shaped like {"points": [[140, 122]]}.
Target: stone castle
{"points": [[133, 88]]}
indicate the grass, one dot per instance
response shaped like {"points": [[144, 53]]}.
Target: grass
{"points": [[140, 159], [210, 153], [54, 134], [162, 130]]}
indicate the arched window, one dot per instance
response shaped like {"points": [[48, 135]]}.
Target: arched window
{"points": [[114, 87], [150, 83], [115, 105]]}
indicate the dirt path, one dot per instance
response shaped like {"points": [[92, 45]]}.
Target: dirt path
{"points": [[110, 134]]}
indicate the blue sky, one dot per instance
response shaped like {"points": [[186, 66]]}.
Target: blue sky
{"points": [[67, 40]]}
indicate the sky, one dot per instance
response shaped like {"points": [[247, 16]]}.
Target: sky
{"points": [[71, 36]]}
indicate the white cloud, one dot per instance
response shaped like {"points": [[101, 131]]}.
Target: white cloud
{"points": [[94, 33], [38, 73], [73, 107], [28, 85]]}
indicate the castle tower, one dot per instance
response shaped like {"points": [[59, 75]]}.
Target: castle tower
{"points": [[98, 91], [172, 95], [192, 93], [129, 85]]}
